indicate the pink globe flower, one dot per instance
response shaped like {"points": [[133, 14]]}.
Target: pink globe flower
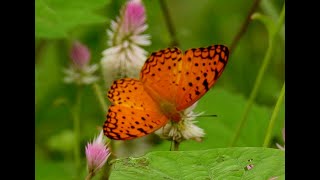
{"points": [[97, 154]]}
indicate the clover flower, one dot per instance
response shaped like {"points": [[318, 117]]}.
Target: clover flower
{"points": [[79, 71], [185, 129], [124, 56]]}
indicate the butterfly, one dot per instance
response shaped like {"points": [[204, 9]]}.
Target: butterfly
{"points": [[170, 81]]}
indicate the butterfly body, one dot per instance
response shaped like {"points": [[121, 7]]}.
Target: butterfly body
{"points": [[170, 82], [170, 111]]}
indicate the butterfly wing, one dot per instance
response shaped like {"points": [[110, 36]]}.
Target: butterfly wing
{"points": [[201, 69], [161, 74], [133, 112], [182, 79]]}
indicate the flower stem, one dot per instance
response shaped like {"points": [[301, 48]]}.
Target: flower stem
{"points": [[168, 20], [269, 8], [89, 176], [76, 126], [252, 95], [244, 25], [258, 81], [273, 117], [100, 97], [176, 145]]}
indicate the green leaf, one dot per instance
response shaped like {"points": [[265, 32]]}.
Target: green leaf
{"points": [[55, 18], [219, 130], [221, 163]]}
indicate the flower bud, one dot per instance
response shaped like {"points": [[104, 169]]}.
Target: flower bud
{"points": [[80, 54]]}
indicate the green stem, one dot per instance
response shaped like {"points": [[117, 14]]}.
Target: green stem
{"points": [[252, 95], [89, 176], [245, 25], [259, 78], [273, 117], [100, 97], [176, 145], [269, 8], [76, 126], [169, 23], [280, 22]]}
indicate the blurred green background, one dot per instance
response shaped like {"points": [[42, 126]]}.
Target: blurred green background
{"points": [[197, 23]]}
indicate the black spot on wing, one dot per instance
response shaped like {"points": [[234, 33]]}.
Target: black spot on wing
{"points": [[205, 84]]}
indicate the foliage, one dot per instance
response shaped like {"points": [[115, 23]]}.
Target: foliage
{"points": [[219, 163], [197, 23]]}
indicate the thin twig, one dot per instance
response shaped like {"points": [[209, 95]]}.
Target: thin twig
{"points": [[164, 7], [244, 25]]}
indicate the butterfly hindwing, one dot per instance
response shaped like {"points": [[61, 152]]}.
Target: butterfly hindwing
{"points": [[124, 123], [133, 112]]}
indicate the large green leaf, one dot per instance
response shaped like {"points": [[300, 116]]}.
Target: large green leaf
{"points": [[54, 18], [221, 163]]}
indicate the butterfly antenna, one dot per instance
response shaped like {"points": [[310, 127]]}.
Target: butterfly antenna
{"points": [[208, 115]]}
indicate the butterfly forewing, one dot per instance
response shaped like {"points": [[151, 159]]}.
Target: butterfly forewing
{"points": [[161, 74], [201, 68]]}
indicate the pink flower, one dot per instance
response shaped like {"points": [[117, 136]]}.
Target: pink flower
{"points": [[80, 72], [134, 18], [79, 54], [125, 56], [97, 154]]}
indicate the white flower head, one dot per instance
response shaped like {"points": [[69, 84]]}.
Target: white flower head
{"points": [[125, 57], [83, 76], [185, 129]]}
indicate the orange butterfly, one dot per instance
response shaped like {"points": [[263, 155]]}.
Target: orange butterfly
{"points": [[169, 83]]}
